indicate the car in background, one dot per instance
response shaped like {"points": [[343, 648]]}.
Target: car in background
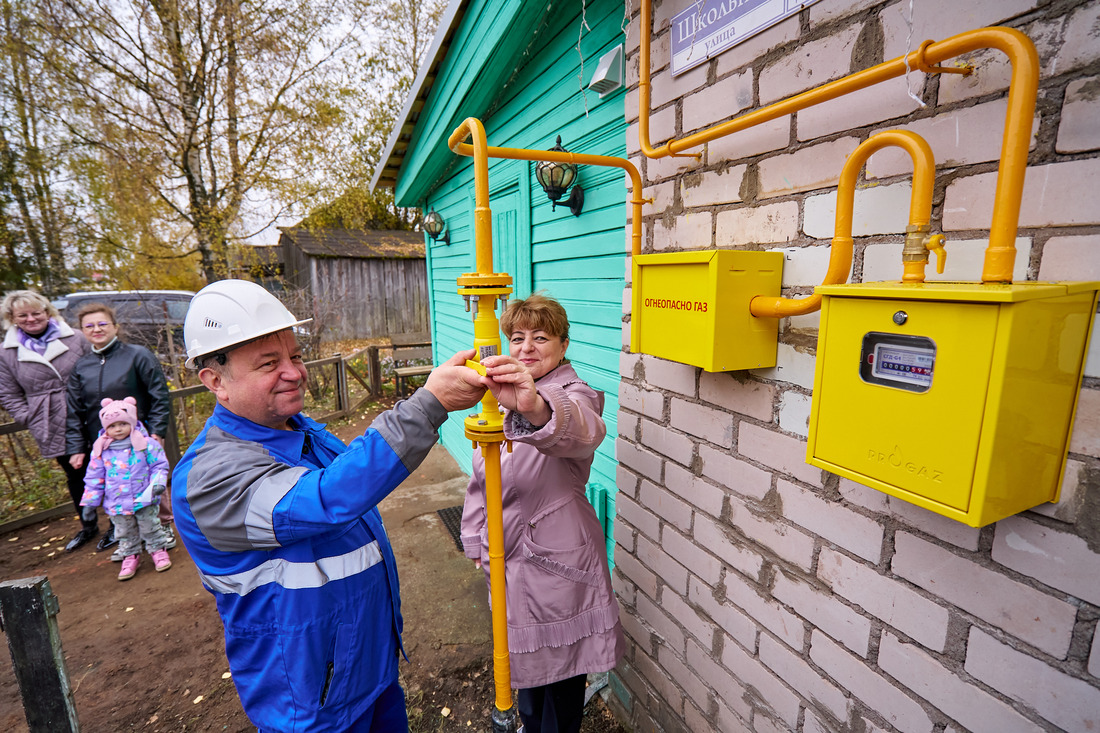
{"points": [[145, 316]]}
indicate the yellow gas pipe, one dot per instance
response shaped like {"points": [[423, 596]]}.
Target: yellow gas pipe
{"points": [[917, 239], [486, 429], [1000, 255], [455, 142]]}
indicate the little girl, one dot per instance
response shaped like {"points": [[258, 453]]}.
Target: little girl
{"points": [[127, 474]]}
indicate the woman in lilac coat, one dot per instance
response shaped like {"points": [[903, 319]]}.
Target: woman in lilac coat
{"points": [[563, 619]]}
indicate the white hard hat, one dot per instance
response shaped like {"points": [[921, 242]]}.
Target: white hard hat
{"points": [[230, 312]]}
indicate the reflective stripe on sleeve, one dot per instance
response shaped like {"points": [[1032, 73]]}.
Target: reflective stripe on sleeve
{"points": [[296, 575], [258, 523]]}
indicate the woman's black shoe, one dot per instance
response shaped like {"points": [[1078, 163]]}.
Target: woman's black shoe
{"points": [[81, 538], [108, 539]]}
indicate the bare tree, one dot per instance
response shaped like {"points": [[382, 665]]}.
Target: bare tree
{"points": [[28, 155], [212, 107]]}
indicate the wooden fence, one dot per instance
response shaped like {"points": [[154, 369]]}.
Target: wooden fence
{"points": [[331, 396]]}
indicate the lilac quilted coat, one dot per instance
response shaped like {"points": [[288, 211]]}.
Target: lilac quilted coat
{"points": [[563, 619], [32, 387]]}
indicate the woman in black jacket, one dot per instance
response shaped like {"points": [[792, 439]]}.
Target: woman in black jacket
{"points": [[115, 369]]}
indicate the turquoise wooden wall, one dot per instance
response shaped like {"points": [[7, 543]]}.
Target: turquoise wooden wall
{"points": [[578, 260]]}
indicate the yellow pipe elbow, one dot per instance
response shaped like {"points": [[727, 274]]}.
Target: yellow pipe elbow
{"points": [[483, 217], [1000, 255], [466, 129], [840, 254]]}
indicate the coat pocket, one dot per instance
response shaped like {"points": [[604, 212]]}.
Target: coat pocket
{"points": [[563, 563]]}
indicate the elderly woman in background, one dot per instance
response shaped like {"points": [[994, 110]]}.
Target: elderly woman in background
{"points": [[37, 356], [116, 369], [563, 619]]}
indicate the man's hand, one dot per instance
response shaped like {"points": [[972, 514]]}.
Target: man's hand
{"points": [[76, 460], [456, 386], [514, 388], [88, 514]]}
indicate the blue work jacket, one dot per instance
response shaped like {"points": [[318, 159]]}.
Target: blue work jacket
{"points": [[284, 529]]}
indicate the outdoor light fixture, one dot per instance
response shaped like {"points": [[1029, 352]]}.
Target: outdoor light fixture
{"points": [[434, 226], [556, 178]]}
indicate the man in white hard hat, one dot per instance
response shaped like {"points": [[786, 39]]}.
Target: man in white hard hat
{"points": [[281, 519]]}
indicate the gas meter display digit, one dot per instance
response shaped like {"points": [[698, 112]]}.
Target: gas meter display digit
{"points": [[906, 365], [904, 362]]}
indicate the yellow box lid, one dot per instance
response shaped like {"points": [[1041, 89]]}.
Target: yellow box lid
{"points": [[958, 291]]}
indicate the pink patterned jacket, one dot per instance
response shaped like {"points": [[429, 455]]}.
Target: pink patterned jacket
{"points": [[121, 478]]}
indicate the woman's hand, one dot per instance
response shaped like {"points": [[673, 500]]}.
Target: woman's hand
{"points": [[514, 388], [76, 460]]}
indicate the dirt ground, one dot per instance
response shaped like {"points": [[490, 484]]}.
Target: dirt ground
{"points": [[148, 654]]}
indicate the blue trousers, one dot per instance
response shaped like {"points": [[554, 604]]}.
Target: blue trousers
{"points": [[387, 715]]}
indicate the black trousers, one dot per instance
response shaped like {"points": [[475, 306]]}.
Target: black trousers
{"points": [[74, 477], [554, 708]]}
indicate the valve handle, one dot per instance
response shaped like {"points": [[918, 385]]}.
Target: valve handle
{"points": [[935, 244]]}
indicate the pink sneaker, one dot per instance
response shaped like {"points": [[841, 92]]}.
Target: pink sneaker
{"points": [[161, 561], [129, 567]]}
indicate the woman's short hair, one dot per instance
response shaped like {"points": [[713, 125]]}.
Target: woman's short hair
{"points": [[17, 298], [536, 312], [96, 308]]}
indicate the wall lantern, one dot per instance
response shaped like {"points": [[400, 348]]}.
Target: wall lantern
{"points": [[434, 226], [556, 178]]}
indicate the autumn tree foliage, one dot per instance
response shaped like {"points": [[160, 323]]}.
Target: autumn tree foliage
{"points": [[140, 138]]}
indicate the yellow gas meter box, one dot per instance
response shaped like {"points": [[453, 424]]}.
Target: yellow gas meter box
{"points": [[957, 397], [693, 307]]}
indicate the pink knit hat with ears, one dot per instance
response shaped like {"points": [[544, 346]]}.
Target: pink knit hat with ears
{"points": [[124, 410]]}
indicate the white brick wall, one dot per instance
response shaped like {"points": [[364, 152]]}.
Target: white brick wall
{"points": [[878, 693], [825, 612], [1039, 619], [841, 526], [944, 20], [970, 705], [1054, 195], [1058, 559], [763, 594], [965, 258], [723, 188], [764, 138], [809, 65], [782, 701], [715, 103], [876, 210], [802, 677], [890, 600], [1078, 46], [757, 225], [962, 137], [1071, 258], [809, 168], [794, 412], [781, 540], [874, 104], [805, 266], [1067, 702]]}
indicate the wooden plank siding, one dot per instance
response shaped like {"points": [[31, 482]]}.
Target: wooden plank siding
{"points": [[377, 297], [578, 260], [363, 283]]}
